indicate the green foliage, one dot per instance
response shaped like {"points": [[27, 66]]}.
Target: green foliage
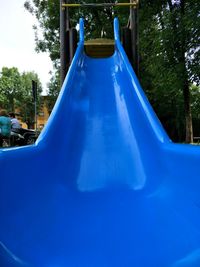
{"points": [[99, 21], [16, 93], [169, 47], [47, 14], [195, 96], [53, 90], [10, 87]]}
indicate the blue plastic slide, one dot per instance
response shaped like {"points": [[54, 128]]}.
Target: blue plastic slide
{"points": [[103, 186]]}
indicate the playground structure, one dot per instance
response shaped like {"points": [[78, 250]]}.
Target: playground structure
{"points": [[103, 186], [68, 34]]}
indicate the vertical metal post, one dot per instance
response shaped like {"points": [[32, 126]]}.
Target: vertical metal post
{"points": [[134, 23], [63, 41], [67, 16], [137, 42], [36, 125], [72, 43], [34, 89], [67, 37]]}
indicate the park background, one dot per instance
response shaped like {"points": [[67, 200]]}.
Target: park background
{"points": [[169, 56]]}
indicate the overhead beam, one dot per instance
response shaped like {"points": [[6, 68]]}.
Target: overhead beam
{"points": [[133, 5]]}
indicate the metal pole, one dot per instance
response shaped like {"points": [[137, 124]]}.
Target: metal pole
{"points": [[63, 41], [34, 90], [67, 37], [138, 41], [134, 37], [133, 4], [72, 43], [36, 126], [67, 16]]}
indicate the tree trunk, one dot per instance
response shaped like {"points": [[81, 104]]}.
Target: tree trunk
{"points": [[12, 103], [188, 113], [186, 88], [181, 48]]}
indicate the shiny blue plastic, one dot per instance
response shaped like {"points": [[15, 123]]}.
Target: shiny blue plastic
{"points": [[103, 186]]}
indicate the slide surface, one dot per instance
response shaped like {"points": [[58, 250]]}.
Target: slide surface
{"points": [[103, 186]]}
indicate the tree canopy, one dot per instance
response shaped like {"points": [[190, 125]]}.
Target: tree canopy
{"points": [[169, 47], [10, 87], [16, 92]]}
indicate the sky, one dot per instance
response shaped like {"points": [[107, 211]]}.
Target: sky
{"points": [[17, 45]]}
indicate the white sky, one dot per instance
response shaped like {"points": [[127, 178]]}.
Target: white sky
{"points": [[17, 45]]}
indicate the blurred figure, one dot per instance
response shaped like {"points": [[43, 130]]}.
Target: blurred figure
{"points": [[5, 126], [14, 122]]}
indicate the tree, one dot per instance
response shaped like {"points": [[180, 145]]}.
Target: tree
{"points": [[16, 93], [171, 53], [195, 107], [53, 90], [10, 88], [47, 14], [182, 19]]}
